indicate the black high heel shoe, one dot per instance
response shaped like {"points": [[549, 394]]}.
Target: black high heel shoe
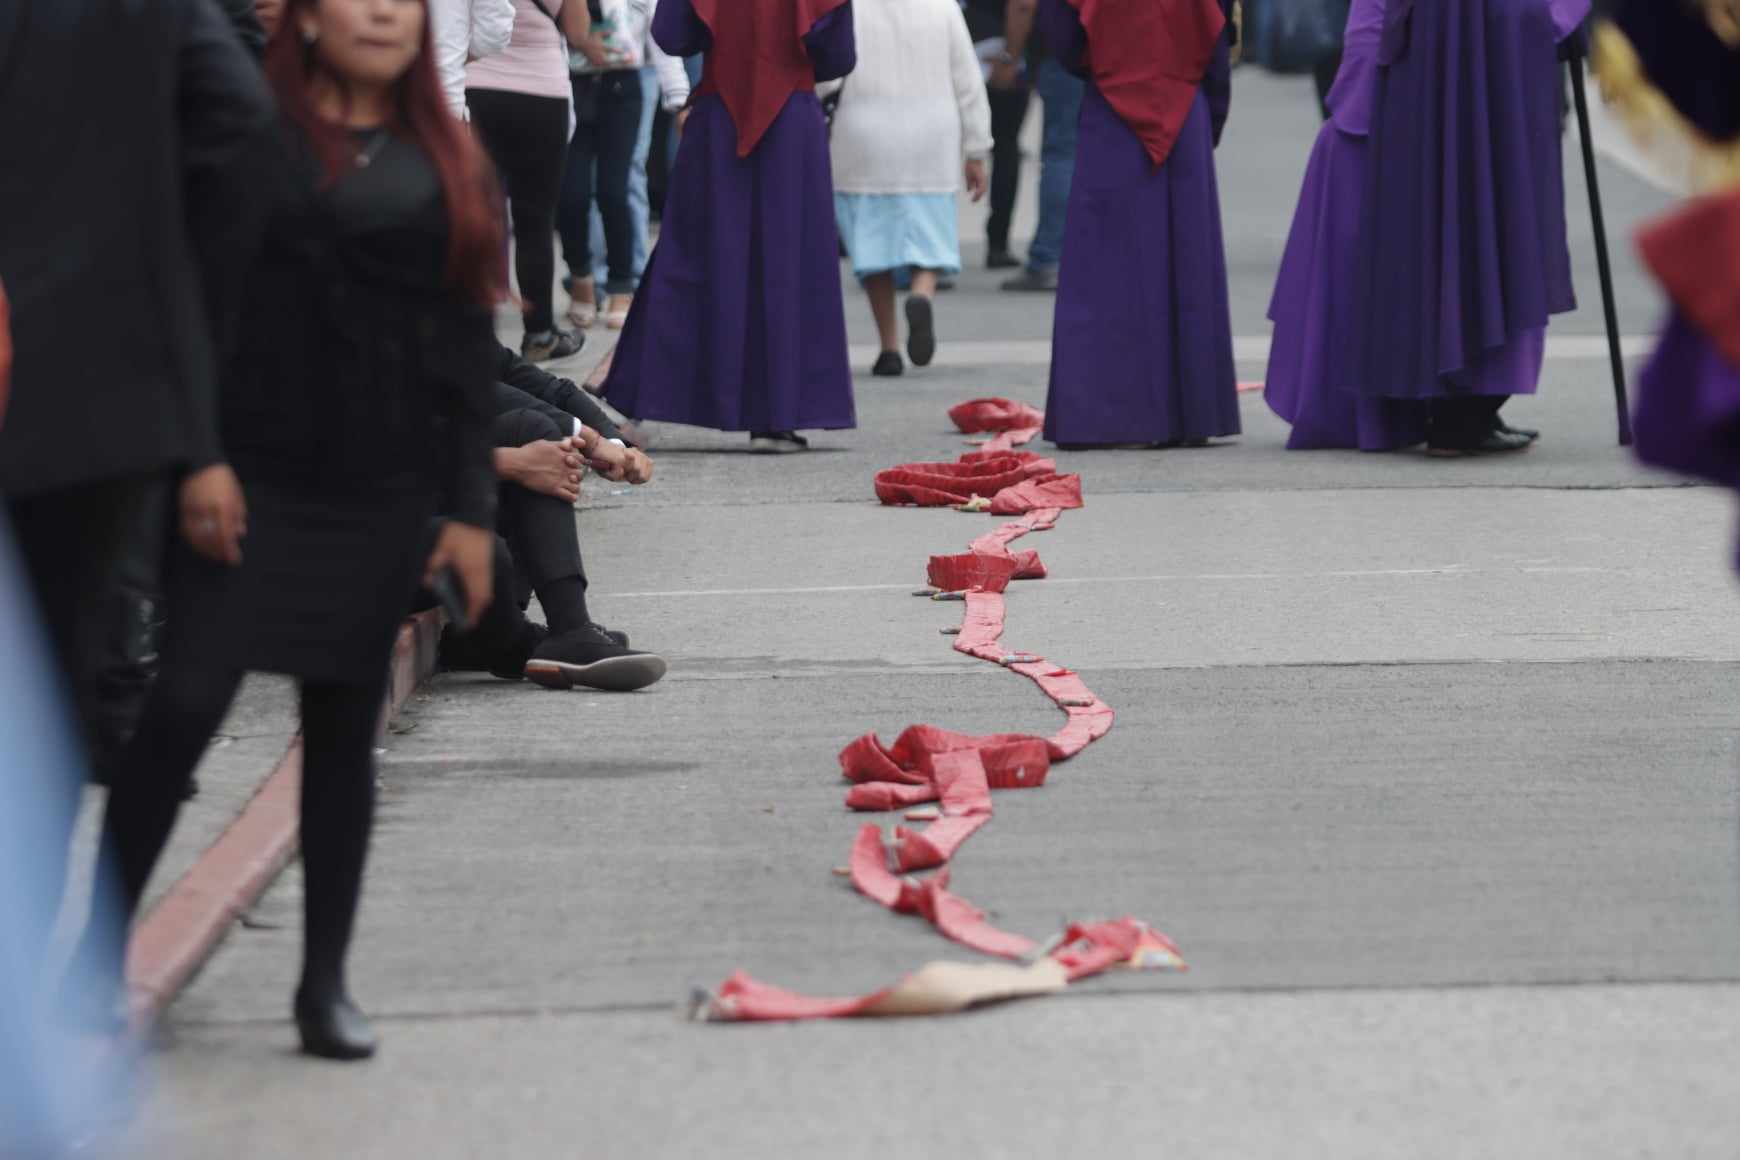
{"points": [[332, 1027]]}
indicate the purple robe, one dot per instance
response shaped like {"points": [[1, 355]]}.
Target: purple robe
{"points": [[1142, 343], [739, 324], [1688, 406], [1319, 378], [1463, 248]]}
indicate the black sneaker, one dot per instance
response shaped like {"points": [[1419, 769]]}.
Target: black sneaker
{"points": [[1528, 433], [552, 345], [889, 365], [921, 330], [1001, 260], [777, 442], [590, 658]]}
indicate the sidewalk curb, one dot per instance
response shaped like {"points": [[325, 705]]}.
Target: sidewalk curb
{"points": [[180, 933]]}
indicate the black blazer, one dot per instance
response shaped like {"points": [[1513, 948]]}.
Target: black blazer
{"points": [[133, 134]]}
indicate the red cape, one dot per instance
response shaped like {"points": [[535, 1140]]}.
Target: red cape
{"points": [[1148, 58], [1693, 254], [758, 59]]}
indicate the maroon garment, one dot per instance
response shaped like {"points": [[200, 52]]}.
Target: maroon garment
{"points": [[758, 60], [1693, 254], [1148, 58]]}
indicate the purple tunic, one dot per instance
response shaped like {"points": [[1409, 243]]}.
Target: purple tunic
{"points": [[739, 324], [1463, 251], [1142, 344]]}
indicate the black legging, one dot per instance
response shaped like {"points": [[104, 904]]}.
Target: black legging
{"points": [[527, 138], [1008, 111], [186, 707], [605, 142]]}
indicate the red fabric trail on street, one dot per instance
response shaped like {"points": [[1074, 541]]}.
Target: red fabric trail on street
{"points": [[946, 778]]}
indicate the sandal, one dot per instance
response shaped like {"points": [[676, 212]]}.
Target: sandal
{"points": [[583, 303], [616, 312]]}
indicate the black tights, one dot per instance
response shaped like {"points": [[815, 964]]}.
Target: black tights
{"points": [[338, 801]]}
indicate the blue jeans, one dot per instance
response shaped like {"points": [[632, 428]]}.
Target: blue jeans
{"points": [[1061, 95], [639, 205]]}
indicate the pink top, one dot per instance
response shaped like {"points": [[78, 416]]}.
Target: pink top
{"points": [[535, 61]]}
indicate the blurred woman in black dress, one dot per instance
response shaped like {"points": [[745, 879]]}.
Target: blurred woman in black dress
{"points": [[354, 413]]}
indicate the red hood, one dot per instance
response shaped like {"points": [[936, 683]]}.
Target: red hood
{"points": [[758, 60], [1692, 253], [1148, 58]]}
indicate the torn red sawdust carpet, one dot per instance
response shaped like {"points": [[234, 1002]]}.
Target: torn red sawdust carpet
{"points": [[946, 778]]}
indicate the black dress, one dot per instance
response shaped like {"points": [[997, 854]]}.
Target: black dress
{"points": [[356, 410]]}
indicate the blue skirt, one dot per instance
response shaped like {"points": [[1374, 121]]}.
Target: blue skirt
{"points": [[894, 231]]}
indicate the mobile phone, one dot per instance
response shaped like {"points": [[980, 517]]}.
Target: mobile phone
{"points": [[449, 590]]}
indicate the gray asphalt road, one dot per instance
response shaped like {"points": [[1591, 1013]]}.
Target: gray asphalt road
{"points": [[1429, 766]]}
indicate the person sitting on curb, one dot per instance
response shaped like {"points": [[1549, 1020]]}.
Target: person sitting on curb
{"points": [[544, 443]]}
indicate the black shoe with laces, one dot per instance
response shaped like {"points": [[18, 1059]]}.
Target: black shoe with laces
{"points": [[620, 638], [552, 345], [591, 657]]}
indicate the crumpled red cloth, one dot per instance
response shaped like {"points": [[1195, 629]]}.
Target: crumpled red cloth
{"points": [[995, 414], [758, 59], [959, 771], [1082, 950], [1011, 760]]}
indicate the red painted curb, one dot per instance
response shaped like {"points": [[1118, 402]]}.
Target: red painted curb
{"points": [[174, 940]]}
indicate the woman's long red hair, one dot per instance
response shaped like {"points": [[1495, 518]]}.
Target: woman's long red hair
{"points": [[476, 258]]}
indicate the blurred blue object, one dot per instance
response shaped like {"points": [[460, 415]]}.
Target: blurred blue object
{"points": [[1293, 36], [48, 1099]]}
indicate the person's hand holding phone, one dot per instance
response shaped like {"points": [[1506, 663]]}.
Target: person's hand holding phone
{"points": [[468, 553]]}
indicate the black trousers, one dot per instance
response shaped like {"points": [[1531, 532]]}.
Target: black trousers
{"points": [[539, 529], [537, 551], [1464, 421], [69, 541], [73, 541], [527, 138], [1008, 112], [600, 157]]}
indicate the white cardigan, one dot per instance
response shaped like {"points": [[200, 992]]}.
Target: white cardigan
{"points": [[915, 106]]}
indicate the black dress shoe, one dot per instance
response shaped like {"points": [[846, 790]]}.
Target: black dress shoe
{"points": [[591, 658], [1001, 260], [889, 365], [1526, 432], [1494, 442], [332, 1027]]}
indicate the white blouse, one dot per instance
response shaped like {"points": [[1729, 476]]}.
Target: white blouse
{"points": [[915, 107]]}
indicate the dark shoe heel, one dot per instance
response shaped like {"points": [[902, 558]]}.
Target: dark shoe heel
{"points": [[332, 1027]]}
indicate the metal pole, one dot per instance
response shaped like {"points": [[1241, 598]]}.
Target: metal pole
{"points": [[1579, 90]]}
